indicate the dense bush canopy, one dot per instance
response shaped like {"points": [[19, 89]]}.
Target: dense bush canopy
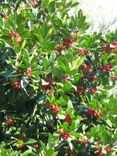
{"points": [[54, 82]]}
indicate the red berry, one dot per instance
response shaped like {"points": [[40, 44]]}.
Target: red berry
{"points": [[98, 115], [86, 67], [16, 85], [59, 49], [10, 122], [29, 73], [83, 142], [68, 119], [16, 35], [49, 106], [83, 51], [33, 2], [113, 46], [114, 78], [36, 146], [5, 16], [106, 47], [65, 135], [68, 42], [93, 90], [91, 112], [80, 88], [90, 78], [51, 84], [55, 109], [10, 34], [100, 152], [64, 76], [49, 92], [109, 149], [45, 85], [107, 67], [23, 138]]}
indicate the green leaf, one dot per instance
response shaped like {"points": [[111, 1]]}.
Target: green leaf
{"points": [[109, 123], [31, 141], [77, 63], [63, 100], [105, 58], [28, 153], [20, 142], [67, 86], [48, 46], [64, 65], [50, 152]]}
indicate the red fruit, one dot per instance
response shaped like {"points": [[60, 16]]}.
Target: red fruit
{"points": [[64, 76], [93, 90], [109, 149], [113, 46], [65, 135], [98, 115], [10, 34], [49, 106], [16, 35], [106, 47], [73, 38], [23, 138], [83, 142], [114, 78], [33, 2], [80, 89], [91, 112], [83, 51], [51, 84], [107, 67], [18, 42], [10, 122], [49, 92], [5, 16], [36, 146], [59, 49], [100, 152], [55, 109], [16, 85], [68, 119], [90, 78], [68, 42], [86, 67], [29, 73], [45, 85]]}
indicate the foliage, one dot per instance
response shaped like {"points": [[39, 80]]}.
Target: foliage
{"points": [[54, 82]]}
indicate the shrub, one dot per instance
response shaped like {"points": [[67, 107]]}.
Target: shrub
{"points": [[54, 82]]}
